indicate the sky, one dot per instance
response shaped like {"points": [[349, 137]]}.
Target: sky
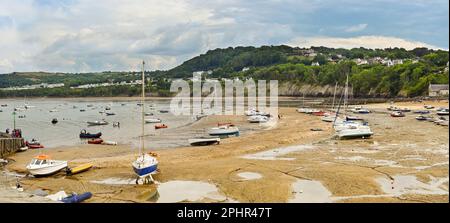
{"points": [[102, 35]]}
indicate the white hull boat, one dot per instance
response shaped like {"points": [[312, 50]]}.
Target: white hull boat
{"points": [[153, 120], [224, 131], [42, 165], [355, 133], [258, 119], [329, 118], [97, 123]]}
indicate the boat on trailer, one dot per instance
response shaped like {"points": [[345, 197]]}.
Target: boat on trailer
{"points": [[204, 141]]}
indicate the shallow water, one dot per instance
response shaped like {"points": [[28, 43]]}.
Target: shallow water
{"points": [[275, 154], [37, 123], [178, 191], [249, 175], [408, 184], [307, 191]]}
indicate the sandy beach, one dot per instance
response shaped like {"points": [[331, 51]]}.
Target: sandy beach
{"points": [[405, 161]]}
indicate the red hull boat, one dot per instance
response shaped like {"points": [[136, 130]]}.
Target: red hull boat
{"points": [[95, 141], [161, 126]]}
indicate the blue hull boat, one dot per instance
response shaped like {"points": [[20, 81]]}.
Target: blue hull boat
{"points": [[146, 170], [77, 198]]}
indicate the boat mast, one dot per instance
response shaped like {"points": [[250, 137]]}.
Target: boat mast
{"points": [[142, 109], [346, 96], [334, 95]]}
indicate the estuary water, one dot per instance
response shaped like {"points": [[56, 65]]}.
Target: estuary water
{"points": [[35, 121]]}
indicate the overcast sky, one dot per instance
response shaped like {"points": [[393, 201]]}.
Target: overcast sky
{"points": [[88, 35]]}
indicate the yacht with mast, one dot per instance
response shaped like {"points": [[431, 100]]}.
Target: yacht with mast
{"points": [[145, 164]]}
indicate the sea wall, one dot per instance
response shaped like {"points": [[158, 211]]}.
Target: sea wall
{"points": [[10, 145]]}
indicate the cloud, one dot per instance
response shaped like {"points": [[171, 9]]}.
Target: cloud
{"points": [[356, 28], [372, 42], [85, 35]]}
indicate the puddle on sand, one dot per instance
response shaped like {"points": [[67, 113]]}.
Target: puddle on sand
{"points": [[178, 191], [249, 175], [389, 163], [275, 153], [307, 191], [115, 181], [407, 184]]}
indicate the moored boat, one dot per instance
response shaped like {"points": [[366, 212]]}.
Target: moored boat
{"points": [[77, 198], [95, 141], [356, 132], [397, 114], [224, 130], [79, 169], [204, 141], [54, 121], [161, 126], [43, 165], [87, 135], [102, 122], [443, 112], [421, 118], [258, 119], [152, 120]]}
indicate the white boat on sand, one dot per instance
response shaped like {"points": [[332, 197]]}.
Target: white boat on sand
{"points": [[224, 130], [43, 165], [258, 119], [97, 122], [355, 132]]}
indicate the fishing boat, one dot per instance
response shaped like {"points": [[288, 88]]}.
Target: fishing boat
{"points": [[87, 135], [77, 198], [163, 111], [152, 120], [102, 122], [43, 165], [224, 130], [397, 114], [110, 113], [82, 110], [148, 114], [145, 164], [258, 119], [79, 169], [95, 141], [54, 121], [204, 141], [161, 126], [355, 132]]}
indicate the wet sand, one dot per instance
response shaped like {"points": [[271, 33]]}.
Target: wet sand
{"points": [[405, 161]]}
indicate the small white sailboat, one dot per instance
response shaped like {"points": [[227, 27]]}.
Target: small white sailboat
{"points": [[258, 119], [145, 164], [153, 120], [43, 165]]}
